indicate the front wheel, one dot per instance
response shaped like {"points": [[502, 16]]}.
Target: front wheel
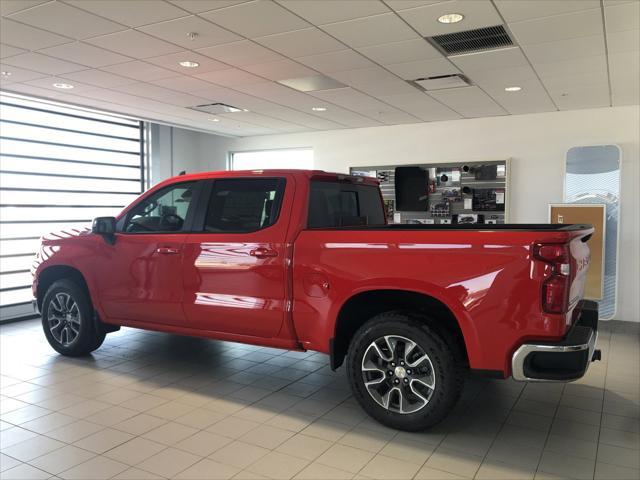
{"points": [[403, 373], [67, 320]]}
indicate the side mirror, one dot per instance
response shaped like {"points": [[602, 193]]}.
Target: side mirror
{"points": [[106, 227]]}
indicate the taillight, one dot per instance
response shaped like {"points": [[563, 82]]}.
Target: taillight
{"points": [[555, 288]]}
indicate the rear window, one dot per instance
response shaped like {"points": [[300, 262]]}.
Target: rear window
{"points": [[334, 204]]}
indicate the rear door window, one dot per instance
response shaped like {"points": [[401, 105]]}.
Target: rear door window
{"points": [[335, 204], [243, 205]]}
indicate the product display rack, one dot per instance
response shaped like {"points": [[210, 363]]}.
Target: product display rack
{"points": [[458, 192]]}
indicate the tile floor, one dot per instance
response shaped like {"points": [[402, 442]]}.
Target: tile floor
{"points": [[150, 405]]}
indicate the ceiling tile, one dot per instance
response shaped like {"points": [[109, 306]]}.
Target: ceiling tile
{"points": [[231, 77], [280, 70], [583, 97], [626, 41], [350, 119], [66, 20], [504, 77], [186, 84], [299, 43], [9, 51], [375, 30], [43, 64], [30, 38], [319, 12], [423, 68], [138, 70], [132, 14], [422, 106], [550, 52], [146, 90], [625, 78], [244, 52], [172, 62], [622, 17], [23, 88], [490, 60], [518, 10], [198, 6], [134, 44], [256, 18], [98, 78], [395, 117], [47, 82], [401, 52], [391, 87], [364, 75], [584, 23], [575, 66], [336, 61], [176, 31], [532, 98], [562, 82], [477, 14], [85, 54], [398, 5], [8, 7], [374, 81], [470, 102], [18, 74], [352, 100]]}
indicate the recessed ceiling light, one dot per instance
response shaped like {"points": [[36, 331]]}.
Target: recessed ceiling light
{"points": [[214, 119], [513, 89], [189, 64], [5, 74], [451, 18], [319, 109], [63, 86]]}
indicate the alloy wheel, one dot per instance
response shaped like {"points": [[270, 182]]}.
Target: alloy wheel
{"points": [[398, 374], [64, 319]]}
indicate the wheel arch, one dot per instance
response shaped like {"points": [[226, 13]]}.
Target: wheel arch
{"points": [[53, 273], [364, 305]]}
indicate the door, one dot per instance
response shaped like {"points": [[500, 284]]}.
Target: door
{"points": [[143, 268], [236, 267]]}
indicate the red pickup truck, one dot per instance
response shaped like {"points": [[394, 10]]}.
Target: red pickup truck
{"points": [[304, 260]]}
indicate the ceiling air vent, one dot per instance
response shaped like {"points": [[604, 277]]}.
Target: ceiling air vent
{"points": [[216, 108], [487, 38], [442, 81]]}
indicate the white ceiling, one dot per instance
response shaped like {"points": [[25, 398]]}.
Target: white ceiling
{"points": [[122, 56]]}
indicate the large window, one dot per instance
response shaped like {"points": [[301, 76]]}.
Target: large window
{"points": [[297, 158], [244, 205], [164, 212], [333, 204], [59, 168]]}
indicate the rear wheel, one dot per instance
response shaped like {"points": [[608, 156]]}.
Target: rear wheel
{"points": [[402, 372], [67, 320]]}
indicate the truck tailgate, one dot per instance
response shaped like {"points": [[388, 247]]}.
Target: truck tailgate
{"points": [[580, 257]]}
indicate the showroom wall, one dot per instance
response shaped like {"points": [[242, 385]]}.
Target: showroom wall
{"points": [[536, 143], [176, 149]]}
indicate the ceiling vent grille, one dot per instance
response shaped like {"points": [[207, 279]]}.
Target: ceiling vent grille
{"points": [[487, 38]]}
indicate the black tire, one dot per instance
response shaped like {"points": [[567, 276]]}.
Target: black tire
{"points": [[88, 337], [447, 373]]}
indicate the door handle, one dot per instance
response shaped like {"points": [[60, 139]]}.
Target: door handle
{"points": [[263, 253], [167, 250]]}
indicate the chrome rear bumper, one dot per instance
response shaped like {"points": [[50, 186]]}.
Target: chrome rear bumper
{"points": [[561, 361]]}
